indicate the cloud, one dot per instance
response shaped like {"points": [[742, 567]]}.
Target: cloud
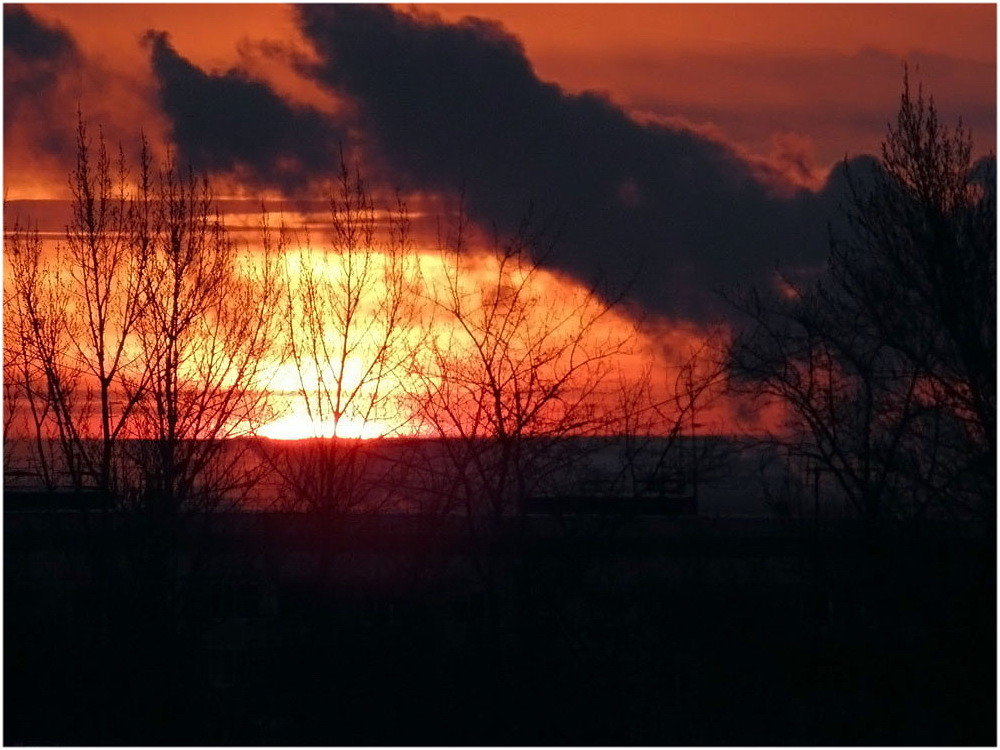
{"points": [[230, 122], [457, 107], [26, 38], [440, 109], [47, 79], [36, 56], [789, 165]]}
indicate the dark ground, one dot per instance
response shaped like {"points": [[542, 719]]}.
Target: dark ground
{"points": [[257, 629]]}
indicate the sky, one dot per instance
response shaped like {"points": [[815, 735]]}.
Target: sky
{"points": [[684, 150], [812, 82]]}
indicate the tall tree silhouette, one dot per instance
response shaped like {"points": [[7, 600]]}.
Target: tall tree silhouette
{"points": [[511, 378], [348, 312], [77, 308], [886, 365], [205, 339], [138, 341]]}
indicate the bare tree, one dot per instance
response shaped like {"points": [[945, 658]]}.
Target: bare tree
{"points": [[349, 309], [34, 377], [142, 336], [839, 412], [514, 377], [107, 251], [13, 384], [667, 450], [76, 309], [40, 346], [886, 365], [919, 264], [205, 337]]}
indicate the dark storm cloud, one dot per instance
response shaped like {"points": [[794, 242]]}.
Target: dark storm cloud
{"points": [[458, 107], [35, 55], [229, 122], [30, 39]]}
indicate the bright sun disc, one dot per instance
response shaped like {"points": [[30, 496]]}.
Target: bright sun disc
{"points": [[302, 427]]}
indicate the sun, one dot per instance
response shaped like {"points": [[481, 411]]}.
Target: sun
{"points": [[298, 426]]}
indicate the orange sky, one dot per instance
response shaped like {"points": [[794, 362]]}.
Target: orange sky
{"points": [[826, 74], [821, 70]]}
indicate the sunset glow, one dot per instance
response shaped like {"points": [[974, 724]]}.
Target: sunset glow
{"points": [[499, 374], [299, 426]]}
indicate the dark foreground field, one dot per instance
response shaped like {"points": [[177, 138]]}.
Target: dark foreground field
{"points": [[271, 629]]}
